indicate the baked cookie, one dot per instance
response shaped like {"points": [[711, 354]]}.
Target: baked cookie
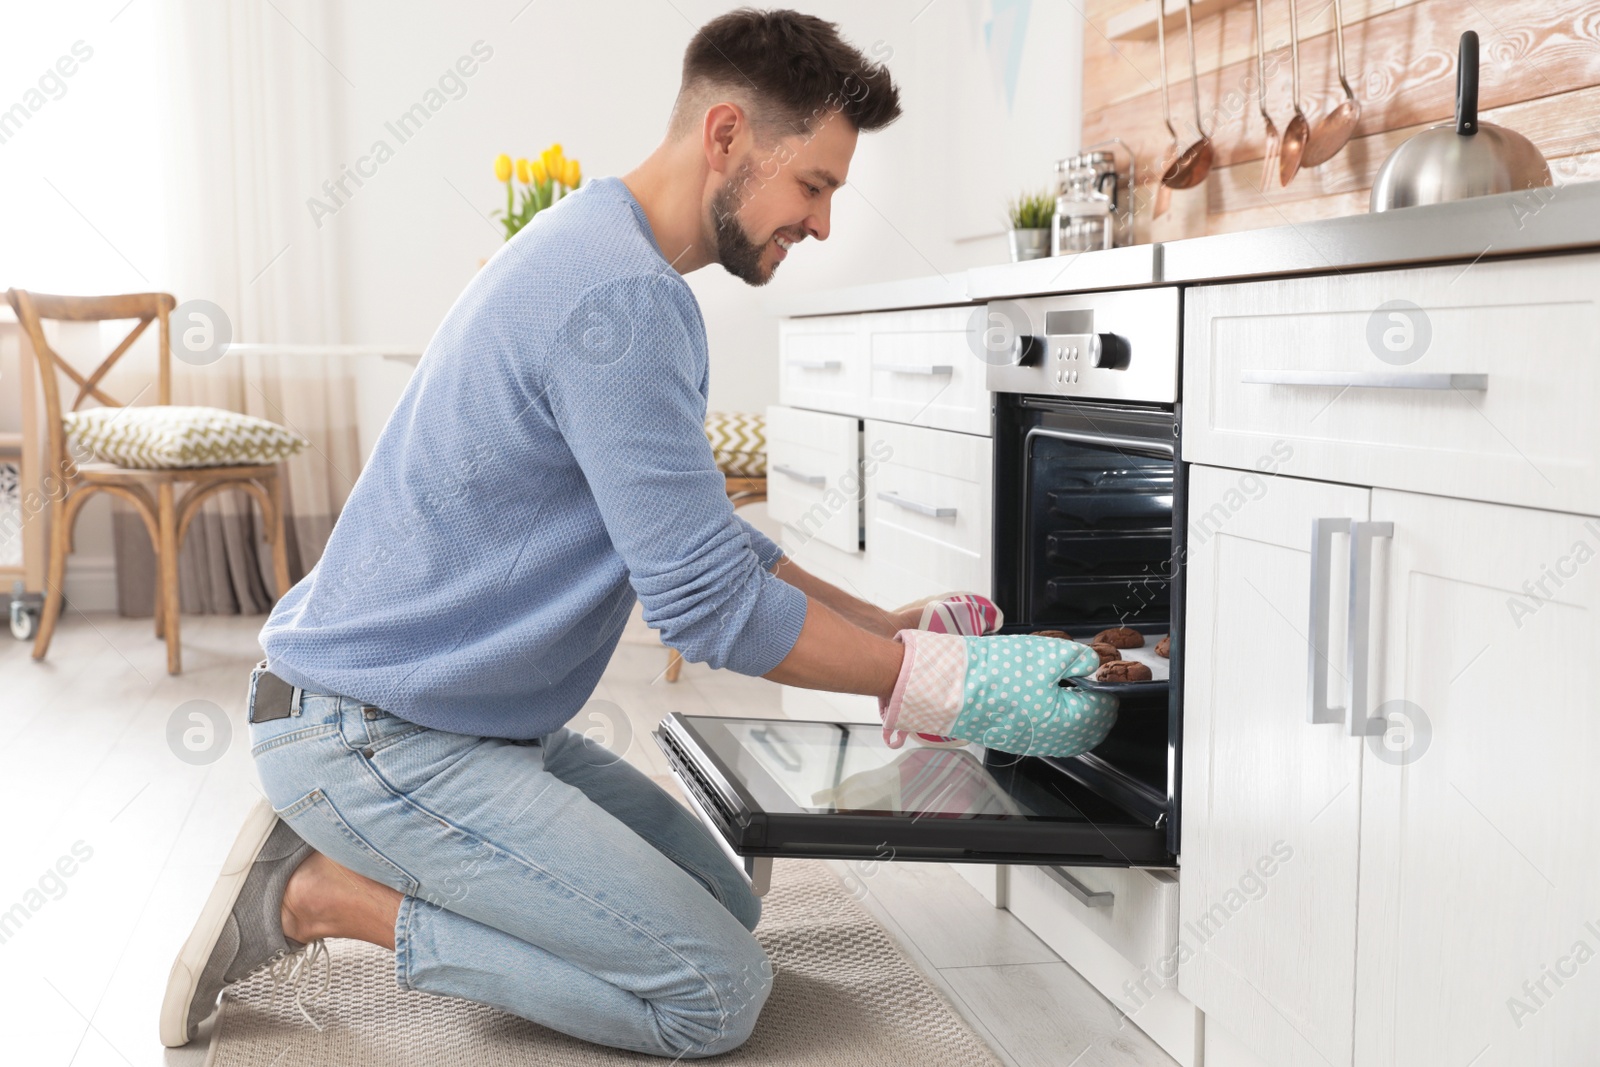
{"points": [[1122, 670], [1062, 634], [1120, 637], [1106, 652], [1164, 647]]}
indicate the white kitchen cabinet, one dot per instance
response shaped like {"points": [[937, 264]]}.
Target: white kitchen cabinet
{"points": [[1118, 928], [928, 509], [922, 370], [1423, 874], [822, 364], [814, 479], [1480, 832], [1271, 815], [1477, 382]]}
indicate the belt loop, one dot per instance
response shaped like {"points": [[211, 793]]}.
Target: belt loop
{"points": [[294, 702]]}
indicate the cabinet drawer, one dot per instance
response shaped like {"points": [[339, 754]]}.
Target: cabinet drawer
{"points": [[814, 479], [920, 369], [822, 365], [1140, 920], [1127, 947], [1475, 382], [928, 512]]}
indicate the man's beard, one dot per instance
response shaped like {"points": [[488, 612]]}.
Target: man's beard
{"points": [[739, 256]]}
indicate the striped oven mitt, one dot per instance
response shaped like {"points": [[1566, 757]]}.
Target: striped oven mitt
{"points": [[1002, 692]]}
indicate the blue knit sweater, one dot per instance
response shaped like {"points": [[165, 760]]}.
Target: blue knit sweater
{"points": [[546, 463]]}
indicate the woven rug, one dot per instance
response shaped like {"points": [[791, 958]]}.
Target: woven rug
{"points": [[843, 995]]}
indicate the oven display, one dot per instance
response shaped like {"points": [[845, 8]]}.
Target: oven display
{"points": [[1069, 323]]}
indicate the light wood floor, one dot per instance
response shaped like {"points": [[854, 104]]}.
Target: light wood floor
{"points": [[87, 769]]}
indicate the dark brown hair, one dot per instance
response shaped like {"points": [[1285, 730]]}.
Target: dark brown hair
{"points": [[791, 67]]}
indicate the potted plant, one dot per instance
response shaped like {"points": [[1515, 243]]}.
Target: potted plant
{"points": [[1031, 216], [543, 181]]}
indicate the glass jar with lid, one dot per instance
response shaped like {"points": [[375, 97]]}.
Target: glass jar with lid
{"points": [[1083, 218]]}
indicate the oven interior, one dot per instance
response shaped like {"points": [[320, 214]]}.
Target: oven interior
{"points": [[1089, 517]]}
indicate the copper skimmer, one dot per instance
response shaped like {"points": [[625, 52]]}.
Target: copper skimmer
{"points": [[1191, 168], [1298, 132], [1163, 190], [1269, 159], [1334, 131]]}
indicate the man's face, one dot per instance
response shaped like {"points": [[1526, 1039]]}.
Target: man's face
{"points": [[778, 196]]}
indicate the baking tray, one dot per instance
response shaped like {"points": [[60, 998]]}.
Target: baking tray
{"points": [[1159, 672]]}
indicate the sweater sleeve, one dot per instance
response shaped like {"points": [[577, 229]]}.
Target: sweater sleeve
{"points": [[622, 386], [767, 550]]}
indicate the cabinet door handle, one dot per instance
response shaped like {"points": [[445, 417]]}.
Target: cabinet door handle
{"points": [[800, 476], [1361, 535], [1367, 379], [816, 364], [1089, 898], [1322, 531], [932, 370], [918, 507]]}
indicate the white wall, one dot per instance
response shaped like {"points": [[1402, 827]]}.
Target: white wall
{"points": [[925, 196]]}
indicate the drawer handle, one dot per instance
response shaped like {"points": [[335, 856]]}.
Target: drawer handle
{"points": [[930, 370], [1361, 535], [918, 507], [1322, 531], [1475, 383], [1089, 898], [800, 476], [816, 364]]}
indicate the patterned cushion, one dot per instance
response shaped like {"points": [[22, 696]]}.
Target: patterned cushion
{"points": [[170, 435], [739, 443]]}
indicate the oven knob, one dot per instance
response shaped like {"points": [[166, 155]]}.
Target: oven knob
{"points": [[1027, 348], [1109, 351]]}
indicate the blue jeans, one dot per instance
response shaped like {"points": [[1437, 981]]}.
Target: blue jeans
{"points": [[547, 878]]}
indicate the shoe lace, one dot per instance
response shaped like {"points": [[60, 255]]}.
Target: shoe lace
{"points": [[294, 969]]}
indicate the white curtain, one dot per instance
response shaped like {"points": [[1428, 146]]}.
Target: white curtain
{"points": [[248, 139]]}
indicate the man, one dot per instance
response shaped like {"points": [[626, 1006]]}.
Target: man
{"points": [[545, 466]]}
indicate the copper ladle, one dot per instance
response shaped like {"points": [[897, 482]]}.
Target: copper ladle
{"points": [[1334, 131], [1163, 190], [1269, 160], [1191, 168], [1298, 132]]}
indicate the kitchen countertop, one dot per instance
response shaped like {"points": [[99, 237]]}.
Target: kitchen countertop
{"points": [[1559, 218]]}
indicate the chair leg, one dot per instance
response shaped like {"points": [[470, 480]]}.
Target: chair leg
{"points": [[275, 531], [55, 576], [167, 568], [160, 631], [674, 664]]}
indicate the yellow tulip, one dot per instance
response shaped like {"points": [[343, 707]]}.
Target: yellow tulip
{"points": [[522, 171], [502, 167], [556, 149], [538, 171], [572, 174]]}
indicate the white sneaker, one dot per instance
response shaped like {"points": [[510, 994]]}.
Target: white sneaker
{"points": [[240, 930]]}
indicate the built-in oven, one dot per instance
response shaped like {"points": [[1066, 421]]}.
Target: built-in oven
{"points": [[1088, 535]]}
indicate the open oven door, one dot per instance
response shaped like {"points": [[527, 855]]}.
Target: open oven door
{"points": [[770, 788]]}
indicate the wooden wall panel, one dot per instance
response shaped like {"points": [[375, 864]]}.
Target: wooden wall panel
{"points": [[1540, 75]]}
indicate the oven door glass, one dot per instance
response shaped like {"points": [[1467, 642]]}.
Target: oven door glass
{"points": [[777, 787]]}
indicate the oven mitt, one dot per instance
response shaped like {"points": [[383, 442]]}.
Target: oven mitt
{"points": [[1002, 692], [967, 614]]}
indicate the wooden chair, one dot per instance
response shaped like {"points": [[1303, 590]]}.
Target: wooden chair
{"points": [[69, 484], [741, 491]]}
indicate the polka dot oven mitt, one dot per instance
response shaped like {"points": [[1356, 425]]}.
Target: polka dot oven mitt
{"points": [[1002, 692]]}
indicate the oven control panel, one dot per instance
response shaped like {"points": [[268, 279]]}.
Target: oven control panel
{"points": [[1120, 345]]}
